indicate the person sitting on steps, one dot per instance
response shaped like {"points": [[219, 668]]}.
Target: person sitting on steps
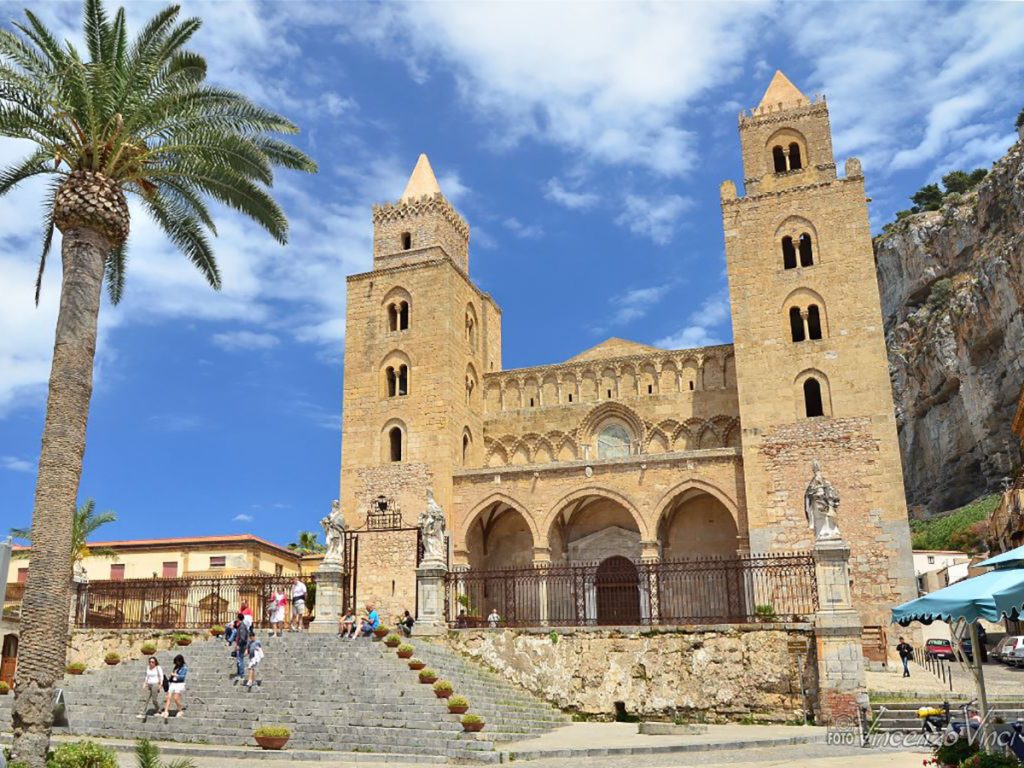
{"points": [[347, 623], [405, 623], [368, 623]]}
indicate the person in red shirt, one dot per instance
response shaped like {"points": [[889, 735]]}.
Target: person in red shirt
{"points": [[246, 612]]}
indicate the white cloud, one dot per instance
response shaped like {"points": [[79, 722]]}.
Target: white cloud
{"points": [[704, 326], [654, 217], [636, 303], [524, 231], [244, 340], [576, 201], [241, 517], [14, 464]]}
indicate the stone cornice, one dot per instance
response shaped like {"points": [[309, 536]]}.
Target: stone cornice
{"points": [[769, 116], [427, 204], [786, 191], [698, 354], [632, 462]]}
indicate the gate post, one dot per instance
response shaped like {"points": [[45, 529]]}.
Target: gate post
{"points": [[837, 634], [330, 597]]}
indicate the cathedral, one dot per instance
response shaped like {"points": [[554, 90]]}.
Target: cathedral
{"points": [[626, 454]]}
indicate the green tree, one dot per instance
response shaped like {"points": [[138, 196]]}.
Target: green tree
{"points": [[961, 181], [308, 542], [84, 525], [129, 117], [927, 198], [1020, 120]]}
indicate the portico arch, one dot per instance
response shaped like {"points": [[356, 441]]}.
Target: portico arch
{"points": [[594, 523], [499, 532]]}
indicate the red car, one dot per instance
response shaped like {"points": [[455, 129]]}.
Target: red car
{"points": [[937, 648]]}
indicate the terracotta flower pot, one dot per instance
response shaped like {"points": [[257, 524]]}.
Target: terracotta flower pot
{"points": [[461, 711], [4, 691], [111, 662], [443, 694], [416, 665], [381, 632], [405, 655], [216, 632], [75, 671], [392, 643], [183, 641], [473, 727], [428, 680], [268, 742]]}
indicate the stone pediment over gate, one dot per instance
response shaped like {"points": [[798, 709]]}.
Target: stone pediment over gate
{"points": [[608, 542]]}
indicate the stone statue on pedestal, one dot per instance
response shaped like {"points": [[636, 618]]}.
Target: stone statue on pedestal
{"points": [[821, 505], [334, 534], [432, 531]]}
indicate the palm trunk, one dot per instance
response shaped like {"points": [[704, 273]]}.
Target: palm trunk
{"points": [[44, 617]]}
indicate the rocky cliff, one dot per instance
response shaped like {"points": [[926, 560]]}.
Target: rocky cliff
{"points": [[952, 286]]}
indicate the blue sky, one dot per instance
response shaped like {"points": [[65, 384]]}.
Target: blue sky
{"points": [[584, 143]]}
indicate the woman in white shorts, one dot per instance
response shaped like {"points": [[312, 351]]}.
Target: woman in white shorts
{"points": [[176, 686], [278, 601]]}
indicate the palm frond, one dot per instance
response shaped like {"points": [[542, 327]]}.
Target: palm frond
{"points": [[48, 227], [34, 165], [186, 233], [146, 754], [113, 272]]}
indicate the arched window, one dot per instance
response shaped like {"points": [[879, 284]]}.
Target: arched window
{"points": [[395, 443], [812, 398], [403, 316], [779, 158], [406, 241], [403, 380], [794, 157], [613, 442], [392, 317], [796, 324], [788, 253], [813, 322], [467, 441], [471, 326], [806, 251], [396, 380], [391, 381]]}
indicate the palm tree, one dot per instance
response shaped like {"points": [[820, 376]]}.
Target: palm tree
{"points": [[84, 525], [133, 117], [147, 755], [307, 543]]}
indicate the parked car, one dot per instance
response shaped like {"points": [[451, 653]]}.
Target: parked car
{"points": [[938, 648], [1004, 646], [1013, 651]]}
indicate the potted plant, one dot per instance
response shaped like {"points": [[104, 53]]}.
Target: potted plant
{"points": [[442, 689], [112, 659], [392, 641], [183, 640], [381, 632], [416, 664], [75, 668], [405, 651], [472, 723], [216, 630], [148, 648], [765, 612], [458, 705], [4, 688], [428, 676], [272, 736]]}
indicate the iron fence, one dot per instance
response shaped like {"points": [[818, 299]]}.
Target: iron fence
{"points": [[180, 603], [619, 591]]}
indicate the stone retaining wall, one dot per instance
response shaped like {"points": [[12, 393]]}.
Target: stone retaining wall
{"points": [[712, 673], [90, 646]]}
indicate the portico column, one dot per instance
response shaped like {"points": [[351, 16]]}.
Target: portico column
{"points": [[807, 329], [541, 560], [650, 554]]}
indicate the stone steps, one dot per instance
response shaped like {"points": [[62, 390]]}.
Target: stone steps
{"points": [[352, 697]]}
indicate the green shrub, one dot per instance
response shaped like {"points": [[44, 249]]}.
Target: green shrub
{"points": [[990, 760], [470, 719], [938, 532], [112, 658], [148, 649], [955, 753], [940, 293], [1020, 120], [442, 685], [427, 673], [405, 648], [272, 732], [392, 640], [217, 630], [83, 754], [182, 639], [458, 701], [147, 755], [764, 611], [414, 660], [77, 666]]}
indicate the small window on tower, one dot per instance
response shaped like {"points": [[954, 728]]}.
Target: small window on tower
{"points": [[395, 443], [650, 389], [806, 251], [403, 316], [403, 380], [813, 322], [531, 402], [779, 158], [795, 163], [392, 317], [570, 397], [406, 241], [796, 324], [609, 394], [788, 253], [691, 386], [812, 398]]}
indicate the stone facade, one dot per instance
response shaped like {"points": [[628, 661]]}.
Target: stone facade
{"points": [[703, 673], [627, 449]]}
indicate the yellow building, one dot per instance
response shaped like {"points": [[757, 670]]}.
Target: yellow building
{"points": [[175, 557], [627, 454]]}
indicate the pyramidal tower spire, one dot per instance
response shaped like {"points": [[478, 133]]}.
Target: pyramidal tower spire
{"points": [[422, 181], [782, 91]]}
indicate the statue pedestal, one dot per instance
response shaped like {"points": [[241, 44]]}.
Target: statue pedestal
{"points": [[330, 596], [838, 636], [430, 599]]}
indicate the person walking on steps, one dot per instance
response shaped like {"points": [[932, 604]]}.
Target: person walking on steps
{"points": [[176, 687], [153, 685], [255, 656], [298, 605], [906, 653], [278, 601], [241, 648]]}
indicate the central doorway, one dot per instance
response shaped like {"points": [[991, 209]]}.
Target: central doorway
{"points": [[618, 592]]}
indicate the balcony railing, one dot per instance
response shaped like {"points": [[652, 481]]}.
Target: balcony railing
{"points": [[618, 591]]}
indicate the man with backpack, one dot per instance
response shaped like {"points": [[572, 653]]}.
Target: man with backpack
{"points": [[241, 648]]}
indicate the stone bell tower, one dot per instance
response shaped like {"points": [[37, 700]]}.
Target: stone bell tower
{"points": [[811, 365], [418, 337]]}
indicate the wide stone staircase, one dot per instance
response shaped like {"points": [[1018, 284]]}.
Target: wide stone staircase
{"points": [[350, 696], [902, 716]]}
